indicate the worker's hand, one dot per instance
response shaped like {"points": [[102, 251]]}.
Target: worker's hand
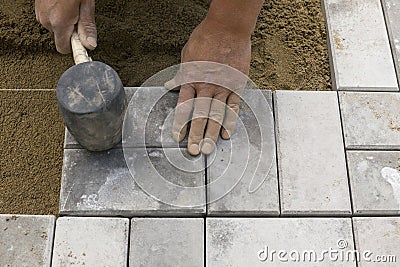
{"points": [[61, 16], [214, 106]]}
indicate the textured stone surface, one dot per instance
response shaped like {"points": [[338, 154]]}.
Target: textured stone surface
{"points": [[370, 120], [26, 240], [101, 183], [91, 242], [247, 242], [375, 181], [359, 46], [167, 242], [392, 13], [242, 173], [311, 159], [380, 239]]}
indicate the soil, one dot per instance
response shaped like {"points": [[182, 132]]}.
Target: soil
{"points": [[138, 39]]}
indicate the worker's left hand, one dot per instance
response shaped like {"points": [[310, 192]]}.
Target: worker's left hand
{"points": [[214, 106]]}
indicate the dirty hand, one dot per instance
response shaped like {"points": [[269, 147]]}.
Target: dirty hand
{"points": [[214, 106], [61, 16]]}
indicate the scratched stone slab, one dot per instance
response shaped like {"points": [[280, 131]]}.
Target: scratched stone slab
{"points": [[359, 46], [242, 174], [378, 239], [101, 183], [167, 242], [392, 13], [311, 159], [149, 114], [370, 120], [91, 242], [375, 181], [257, 241], [26, 240]]}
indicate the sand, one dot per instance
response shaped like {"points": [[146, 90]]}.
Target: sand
{"points": [[138, 39]]}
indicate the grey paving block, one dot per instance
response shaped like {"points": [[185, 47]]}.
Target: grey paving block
{"points": [[375, 181], [370, 120], [311, 158], [26, 240], [377, 240], [101, 183], [392, 13], [167, 242], [242, 174], [359, 46], [277, 241], [91, 242]]}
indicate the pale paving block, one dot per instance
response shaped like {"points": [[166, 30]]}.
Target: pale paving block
{"points": [[101, 183], [311, 158], [149, 114], [242, 174], [370, 120], [379, 239], [375, 181], [91, 242], [392, 13], [26, 240], [359, 46], [167, 242], [251, 241]]}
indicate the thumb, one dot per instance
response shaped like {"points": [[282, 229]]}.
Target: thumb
{"points": [[86, 25]]}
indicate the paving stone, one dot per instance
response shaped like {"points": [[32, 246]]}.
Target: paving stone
{"points": [[101, 183], [167, 242], [359, 46], [26, 240], [252, 242], [242, 175], [377, 240], [151, 114], [392, 13], [311, 158], [375, 181], [370, 120], [91, 242]]}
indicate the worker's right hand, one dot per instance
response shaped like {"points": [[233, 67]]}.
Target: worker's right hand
{"points": [[61, 16]]}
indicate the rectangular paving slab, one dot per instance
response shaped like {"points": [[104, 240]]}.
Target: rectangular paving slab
{"points": [[167, 242], [377, 240], [26, 240], [311, 159], [370, 120], [101, 183], [375, 181], [392, 13], [91, 242], [359, 47], [242, 174], [277, 241]]}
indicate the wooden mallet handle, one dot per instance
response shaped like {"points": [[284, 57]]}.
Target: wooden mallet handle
{"points": [[78, 50]]}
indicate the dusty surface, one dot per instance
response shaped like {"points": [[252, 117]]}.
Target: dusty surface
{"points": [[136, 38]]}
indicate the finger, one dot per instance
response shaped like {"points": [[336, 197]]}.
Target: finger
{"points": [[86, 26], [231, 115], [215, 120], [182, 112], [172, 85], [199, 120], [62, 38]]}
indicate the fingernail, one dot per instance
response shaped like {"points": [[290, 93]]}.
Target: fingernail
{"points": [[225, 135], [207, 146], [92, 41], [194, 150]]}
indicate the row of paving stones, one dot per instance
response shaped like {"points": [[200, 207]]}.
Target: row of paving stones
{"points": [[364, 44], [73, 241], [242, 175]]}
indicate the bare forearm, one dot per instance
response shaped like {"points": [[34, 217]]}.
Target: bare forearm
{"points": [[235, 15]]}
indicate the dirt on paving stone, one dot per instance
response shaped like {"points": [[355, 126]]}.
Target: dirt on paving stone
{"points": [[138, 39]]}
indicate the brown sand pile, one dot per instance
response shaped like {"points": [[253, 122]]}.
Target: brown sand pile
{"points": [[136, 38]]}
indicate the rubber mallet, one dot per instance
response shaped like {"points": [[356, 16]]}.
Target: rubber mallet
{"points": [[91, 100]]}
